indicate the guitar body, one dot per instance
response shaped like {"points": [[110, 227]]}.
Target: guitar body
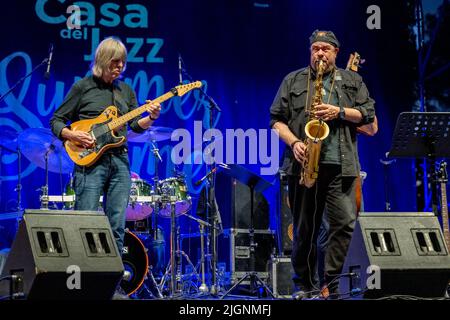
{"points": [[102, 128], [104, 138]]}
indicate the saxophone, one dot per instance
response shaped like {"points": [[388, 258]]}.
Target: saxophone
{"points": [[316, 130]]}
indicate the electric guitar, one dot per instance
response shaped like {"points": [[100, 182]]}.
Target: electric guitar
{"points": [[102, 128], [353, 64], [354, 61], [442, 179]]}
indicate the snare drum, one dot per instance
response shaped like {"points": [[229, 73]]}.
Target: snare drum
{"points": [[135, 260], [175, 187], [138, 210]]}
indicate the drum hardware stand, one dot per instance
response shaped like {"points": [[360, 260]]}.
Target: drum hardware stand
{"points": [[154, 284], [156, 157], [203, 287], [18, 187], [174, 266], [181, 253], [173, 250], [202, 224], [44, 189]]}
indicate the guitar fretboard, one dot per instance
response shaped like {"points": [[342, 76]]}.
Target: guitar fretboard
{"points": [[137, 112]]}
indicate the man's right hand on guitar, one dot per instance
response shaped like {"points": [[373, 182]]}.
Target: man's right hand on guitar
{"points": [[79, 137]]}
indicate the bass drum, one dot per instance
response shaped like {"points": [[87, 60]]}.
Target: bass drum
{"points": [[135, 261]]}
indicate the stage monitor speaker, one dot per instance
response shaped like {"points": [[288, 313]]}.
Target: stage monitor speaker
{"points": [[61, 255], [396, 254]]}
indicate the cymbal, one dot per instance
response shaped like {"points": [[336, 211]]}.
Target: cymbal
{"points": [[36, 143], [151, 134], [8, 139]]}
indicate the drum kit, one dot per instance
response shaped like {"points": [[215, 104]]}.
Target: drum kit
{"points": [[144, 244]]}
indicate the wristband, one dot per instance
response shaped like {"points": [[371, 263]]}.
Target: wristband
{"points": [[341, 113]]}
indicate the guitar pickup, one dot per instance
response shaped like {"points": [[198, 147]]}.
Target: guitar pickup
{"points": [[84, 153]]}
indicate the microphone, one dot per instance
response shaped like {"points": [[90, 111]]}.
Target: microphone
{"points": [[49, 62], [198, 182], [180, 69]]}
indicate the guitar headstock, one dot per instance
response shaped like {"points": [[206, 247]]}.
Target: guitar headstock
{"points": [[353, 62], [184, 88], [442, 173]]}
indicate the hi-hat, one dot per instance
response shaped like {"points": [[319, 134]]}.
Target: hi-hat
{"points": [[152, 134], [36, 143]]}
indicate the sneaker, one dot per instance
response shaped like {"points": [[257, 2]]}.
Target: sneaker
{"points": [[324, 292]]}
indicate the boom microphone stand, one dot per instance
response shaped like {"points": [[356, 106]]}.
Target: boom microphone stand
{"points": [[212, 214]]}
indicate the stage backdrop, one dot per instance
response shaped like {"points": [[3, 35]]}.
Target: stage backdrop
{"points": [[240, 49]]}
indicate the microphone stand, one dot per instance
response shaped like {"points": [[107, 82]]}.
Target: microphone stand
{"points": [[387, 202], [22, 79], [44, 189], [211, 210]]}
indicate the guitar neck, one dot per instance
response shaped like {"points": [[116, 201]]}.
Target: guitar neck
{"points": [[444, 209], [120, 121]]}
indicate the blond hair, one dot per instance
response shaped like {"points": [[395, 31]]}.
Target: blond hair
{"points": [[108, 50]]}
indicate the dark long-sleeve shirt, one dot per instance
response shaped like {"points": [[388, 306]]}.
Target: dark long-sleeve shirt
{"points": [[289, 104], [89, 97]]}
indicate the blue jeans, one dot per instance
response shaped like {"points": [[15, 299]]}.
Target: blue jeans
{"points": [[110, 177]]}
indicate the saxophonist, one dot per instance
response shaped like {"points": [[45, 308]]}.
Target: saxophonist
{"points": [[344, 105]]}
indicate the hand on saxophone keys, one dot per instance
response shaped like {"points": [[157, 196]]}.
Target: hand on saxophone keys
{"points": [[326, 112], [299, 150]]}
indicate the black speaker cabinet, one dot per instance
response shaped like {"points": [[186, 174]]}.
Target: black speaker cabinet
{"points": [[233, 199], [397, 254], [234, 250], [63, 255]]}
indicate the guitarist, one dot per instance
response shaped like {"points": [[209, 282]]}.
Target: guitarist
{"points": [[88, 98]]}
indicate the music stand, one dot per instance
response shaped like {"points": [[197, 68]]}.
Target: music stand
{"points": [[258, 184], [422, 135]]}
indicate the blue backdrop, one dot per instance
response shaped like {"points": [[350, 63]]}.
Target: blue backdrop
{"points": [[241, 49]]}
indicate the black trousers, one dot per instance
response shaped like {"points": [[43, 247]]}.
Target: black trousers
{"points": [[337, 195]]}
